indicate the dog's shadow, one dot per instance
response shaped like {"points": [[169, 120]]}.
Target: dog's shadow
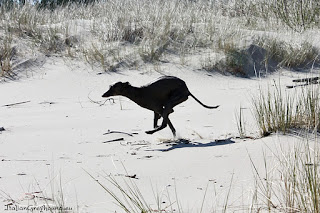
{"points": [[185, 143]]}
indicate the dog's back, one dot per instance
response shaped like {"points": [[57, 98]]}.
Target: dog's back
{"points": [[165, 86]]}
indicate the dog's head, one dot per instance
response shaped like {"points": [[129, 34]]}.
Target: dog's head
{"points": [[116, 89]]}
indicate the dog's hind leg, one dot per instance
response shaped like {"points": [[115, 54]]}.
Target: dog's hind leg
{"points": [[165, 113], [168, 108], [163, 125], [172, 128], [155, 120]]}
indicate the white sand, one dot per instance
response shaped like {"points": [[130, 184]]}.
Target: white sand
{"points": [[48, 147]]}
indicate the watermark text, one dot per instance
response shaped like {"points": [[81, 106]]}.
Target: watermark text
{"points": [[41, 208]]}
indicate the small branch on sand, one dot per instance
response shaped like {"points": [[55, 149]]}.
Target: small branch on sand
{"points": [[13, 104], [33, 195], [100, 102], [247, 137], [114, 140], [110, 132], [26, 160], [132, 176]]}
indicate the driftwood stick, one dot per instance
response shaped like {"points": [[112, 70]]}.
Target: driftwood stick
{"points": [[22, 160], [23, 102], [306, 79], [301, 85], [114, 140], [110, 132]]}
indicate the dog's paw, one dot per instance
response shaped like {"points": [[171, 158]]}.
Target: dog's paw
{"points": [[150, 132]]}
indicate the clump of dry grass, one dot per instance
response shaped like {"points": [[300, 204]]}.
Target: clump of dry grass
{"points": [[241, 123], [294, 186], [7, 52], [297, 14], [288, 55], [283, 111], [234, 60], [263, 55], [129, 197]]}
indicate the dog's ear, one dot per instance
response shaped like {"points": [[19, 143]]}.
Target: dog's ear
{"points": [[127, 83]]}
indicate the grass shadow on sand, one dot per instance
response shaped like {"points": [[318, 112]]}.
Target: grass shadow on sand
{"points": [[185, 143]]}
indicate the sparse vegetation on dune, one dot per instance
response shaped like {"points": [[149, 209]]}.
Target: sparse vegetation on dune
{"points": [[111, 34]]}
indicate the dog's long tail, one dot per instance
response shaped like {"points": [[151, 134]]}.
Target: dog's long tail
{"points": [[209, 107]]}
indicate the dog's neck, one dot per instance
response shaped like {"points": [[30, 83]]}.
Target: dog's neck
{"points": [[133, 93]]}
